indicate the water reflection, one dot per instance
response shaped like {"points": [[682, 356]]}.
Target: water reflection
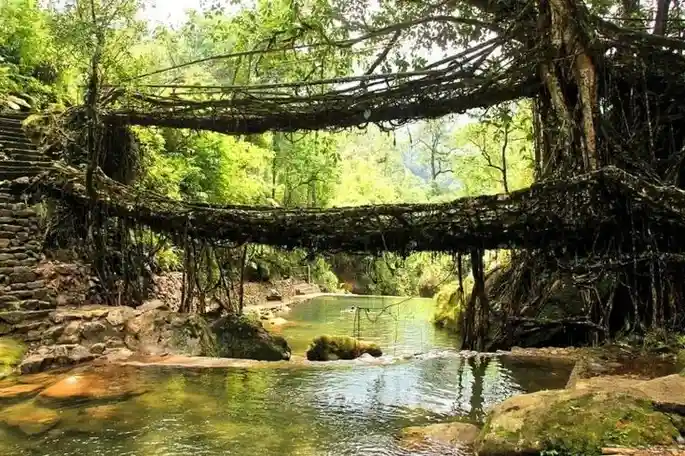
{"points": [[343, 409]]}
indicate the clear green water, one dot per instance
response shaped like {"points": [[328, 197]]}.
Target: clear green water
{"points": [[341, 408]]}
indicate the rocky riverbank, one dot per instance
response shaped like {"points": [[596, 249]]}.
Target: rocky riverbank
{"points": [[617, 401], [76, 335]]}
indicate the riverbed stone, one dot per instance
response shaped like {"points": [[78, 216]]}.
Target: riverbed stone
{"points": [[112, 385], [19, 391], [30, 418], [573, 421], [454, 434], [238, 336]]}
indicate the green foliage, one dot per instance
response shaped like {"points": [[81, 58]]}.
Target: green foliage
{"points": [[45, 56], [324, 277], [450, 303], [483, 167]]}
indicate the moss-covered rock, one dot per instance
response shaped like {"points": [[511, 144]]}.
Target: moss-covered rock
{"points": [[30, 418], [573, 422], [11, 354], [331, 348], [449, 303], [239, 336]]}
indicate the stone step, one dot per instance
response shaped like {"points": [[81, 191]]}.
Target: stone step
{"points": [[11, 151], [15, 115], [11, 174], [15, 317], [11, 120], [40, 294], [18, 221], [27, 305], [21, 213], [14, 136], [13, 128], [8, 265], [23, 164], [15, 144], [13, 206], [27, 155]]}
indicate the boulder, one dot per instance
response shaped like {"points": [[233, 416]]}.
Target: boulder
{"points": [[274, 295], [29, 418], [573, 421], [118, 315], [454, 434], [98, 349], [55, 356], [238, 336], [93, 330], [331, 348], [159, 332]]}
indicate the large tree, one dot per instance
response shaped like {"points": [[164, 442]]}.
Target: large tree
{"points": [[604, 92]]}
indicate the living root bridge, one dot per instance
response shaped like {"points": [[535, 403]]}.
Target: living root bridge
{"points": [[570, 215]]}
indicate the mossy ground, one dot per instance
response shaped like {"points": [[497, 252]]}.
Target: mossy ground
{"points": [[578, 424], [586, 424], [11, 354], [331, 348]]}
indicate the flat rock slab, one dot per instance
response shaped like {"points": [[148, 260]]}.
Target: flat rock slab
{"points": [[20, 391], [29, 418]]}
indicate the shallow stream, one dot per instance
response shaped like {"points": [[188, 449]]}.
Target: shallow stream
{"points": [[342, 408]]}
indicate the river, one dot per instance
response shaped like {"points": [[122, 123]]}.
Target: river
{"points": [[342, 408]]}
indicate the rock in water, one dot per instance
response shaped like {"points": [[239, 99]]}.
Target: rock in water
{"points": [[454, 434], [238, 336], [103, 386], [331, 348], [30, 418]]}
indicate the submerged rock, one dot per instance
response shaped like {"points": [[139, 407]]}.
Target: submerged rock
{"points": [[454, 434], [20, 391], [112, 385], [238, 336], [30, 418], [573, 421], [331, 348]]}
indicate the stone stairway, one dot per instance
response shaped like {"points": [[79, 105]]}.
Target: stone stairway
{"points": [[25, 301]]}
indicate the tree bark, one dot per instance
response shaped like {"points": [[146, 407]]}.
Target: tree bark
{"points": [[661, 19]]}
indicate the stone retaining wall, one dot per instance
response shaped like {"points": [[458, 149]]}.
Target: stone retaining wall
{"points": [[25, 301]]}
